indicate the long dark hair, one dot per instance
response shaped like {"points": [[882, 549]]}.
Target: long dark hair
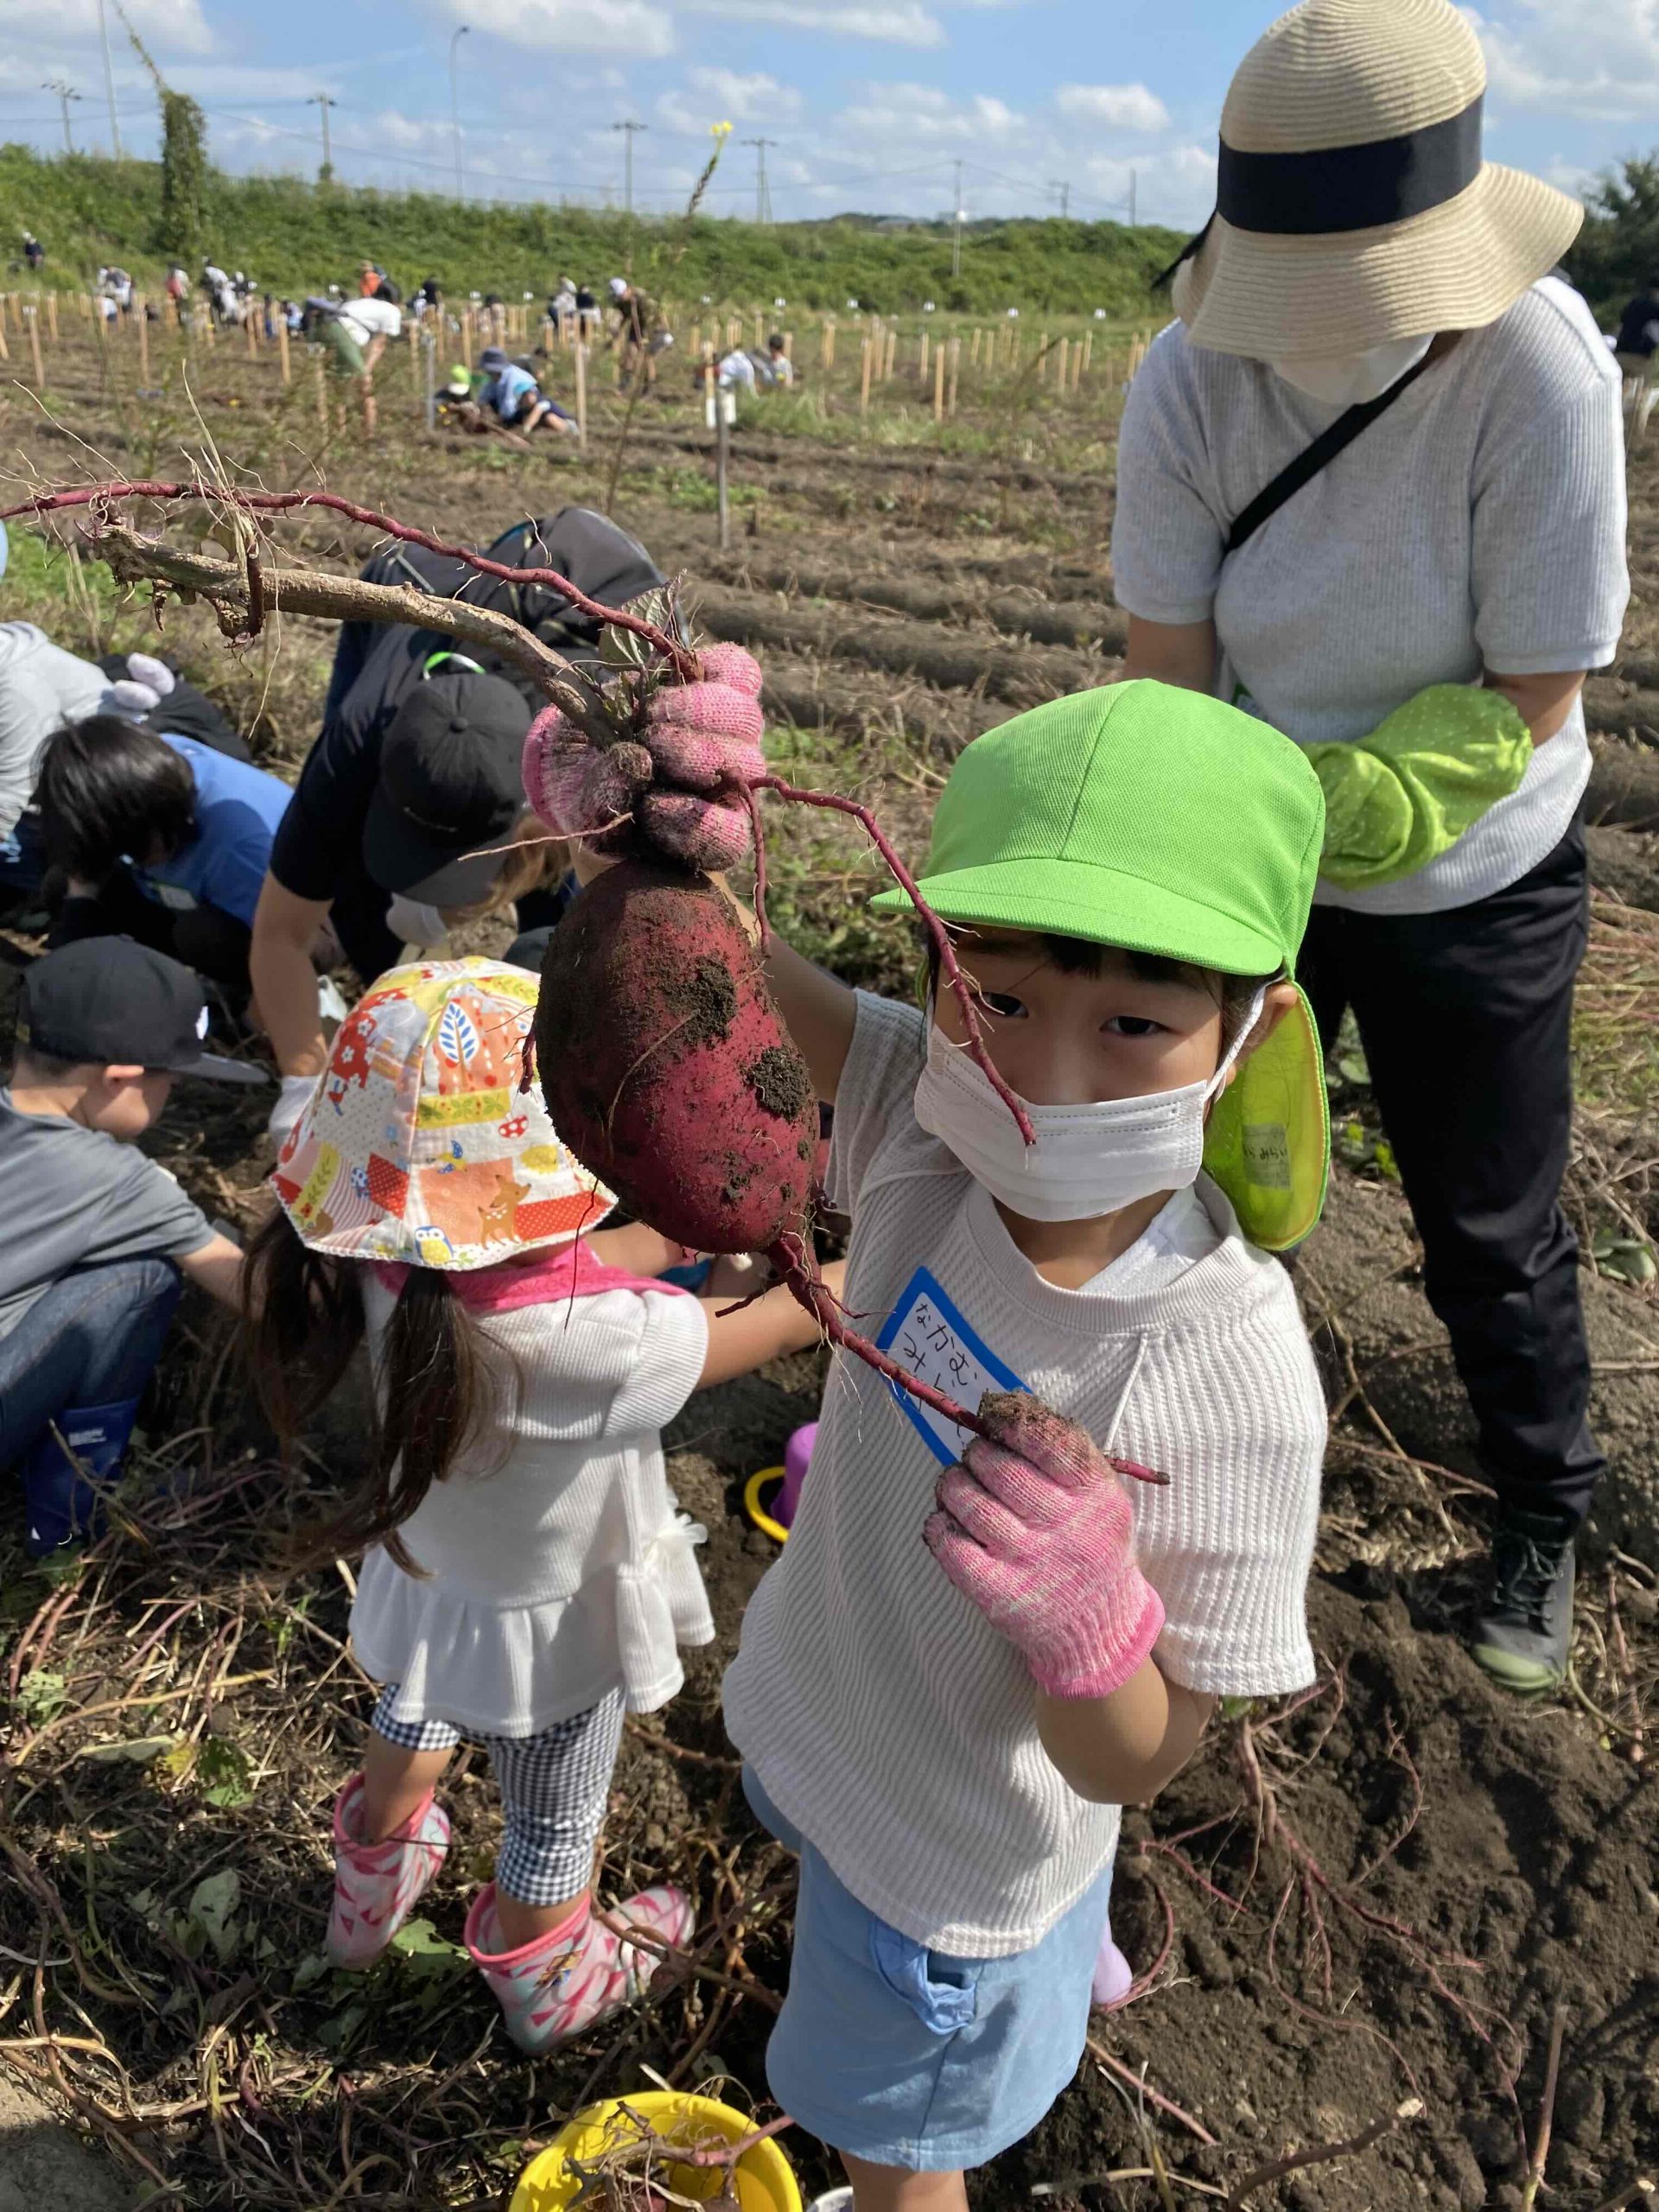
{"points": [[105, 788], [437, 1384]]}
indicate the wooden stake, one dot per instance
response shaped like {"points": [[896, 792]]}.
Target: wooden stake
{"points": [[1088, 354], [973, 352], [1063, 380], [143, 341], [939, 381], [921, 364], [866, 350], [582, 390], [52, 315], [722, 463], [893, 353], [956, 373], [281, 348], [322, 393], [252, 325], [370, 413], [759, 330], [35, 347], [5, 349]]}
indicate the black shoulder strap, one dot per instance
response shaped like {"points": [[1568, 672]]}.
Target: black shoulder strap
{"points": [[1311, 459]]}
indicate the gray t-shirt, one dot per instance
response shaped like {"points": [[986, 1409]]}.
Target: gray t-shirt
{"points": [[1480, 523], [41, 688], [72, 1198]]}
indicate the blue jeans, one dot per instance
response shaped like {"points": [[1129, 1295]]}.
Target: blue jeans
{"points": [[93, 1339]]}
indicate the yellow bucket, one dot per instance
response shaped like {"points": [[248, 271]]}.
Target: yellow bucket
{"points": [[764, 2183]]}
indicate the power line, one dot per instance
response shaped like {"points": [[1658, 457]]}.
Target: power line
{"points": [[631, 130], [324, 102], [66, 93], [762, 197], [109, 79]]}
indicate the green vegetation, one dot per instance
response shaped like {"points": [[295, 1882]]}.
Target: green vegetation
{"points": [[294, 237], [1617, 250]]}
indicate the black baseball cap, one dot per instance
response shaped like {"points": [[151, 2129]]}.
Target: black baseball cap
{"points": [[492, 357], [115, 1003], [451, 786]]}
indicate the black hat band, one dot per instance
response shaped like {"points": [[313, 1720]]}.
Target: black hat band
{"points": [[1351, 187]]}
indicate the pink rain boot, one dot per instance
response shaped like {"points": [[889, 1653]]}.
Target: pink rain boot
{"points": [[553, 1988], [376, 1885]]}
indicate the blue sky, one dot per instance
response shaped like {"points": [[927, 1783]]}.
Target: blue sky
{"points": [[872, 102]]}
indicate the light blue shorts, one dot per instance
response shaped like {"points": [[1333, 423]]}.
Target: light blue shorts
{"points": [[906, 2056]]}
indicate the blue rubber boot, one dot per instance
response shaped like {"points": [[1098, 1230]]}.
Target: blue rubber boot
{"points": [[63, 1495]]}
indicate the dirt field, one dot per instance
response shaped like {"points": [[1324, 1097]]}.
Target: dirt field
{"points": [[1358, 1918]]}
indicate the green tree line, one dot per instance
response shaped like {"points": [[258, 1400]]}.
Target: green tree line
{"points": [[294, 237]]}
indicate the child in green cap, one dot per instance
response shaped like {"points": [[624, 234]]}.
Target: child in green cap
{"points": [[1127, 875]]}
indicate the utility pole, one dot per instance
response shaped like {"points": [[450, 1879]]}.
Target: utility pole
{"points": [[456, 37], [109, 82], [66, 93], [1062, 190], [324, 101], [627, 187], [762, 197], [956, 228]]}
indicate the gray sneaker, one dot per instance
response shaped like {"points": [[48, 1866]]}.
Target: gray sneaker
{"points": [[1523, 1637]]}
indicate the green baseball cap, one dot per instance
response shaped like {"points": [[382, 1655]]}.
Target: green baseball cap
{"points": [[1161, 821]]}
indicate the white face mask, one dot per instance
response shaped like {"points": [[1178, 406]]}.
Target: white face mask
{"points": [[1349, 379], [1088, 1160], [410, 923]]}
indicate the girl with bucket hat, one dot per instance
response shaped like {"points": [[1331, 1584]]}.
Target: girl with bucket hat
{"points": [[1371, 487], [527, 1578]]}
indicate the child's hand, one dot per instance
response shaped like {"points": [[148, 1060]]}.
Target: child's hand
{"points": [[1036, 1530], [699, 737]]}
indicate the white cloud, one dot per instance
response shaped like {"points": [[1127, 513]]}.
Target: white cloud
{"points": [[726, 95], [1550, 53], [636, 27], [904, 23], [1120, 107], [913, 114], [168, 26], [1175, 186]]}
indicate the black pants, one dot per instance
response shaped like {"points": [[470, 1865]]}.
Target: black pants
{"points": [[206, 938], [1465, 1018]]}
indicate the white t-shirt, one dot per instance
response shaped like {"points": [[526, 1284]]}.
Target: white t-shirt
{"points": [[557, 1568], [41, 688], [737, 369], [368, 319], [883, 1714], [1479, 523]]}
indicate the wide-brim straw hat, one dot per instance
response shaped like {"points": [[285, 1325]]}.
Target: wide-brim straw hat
{"points": [[1352, 206]]}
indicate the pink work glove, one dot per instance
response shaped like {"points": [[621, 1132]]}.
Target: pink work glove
{"points": [[658, 792], [1036, 1530]]}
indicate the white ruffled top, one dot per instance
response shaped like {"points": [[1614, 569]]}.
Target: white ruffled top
{"points": [[558, 1567]]}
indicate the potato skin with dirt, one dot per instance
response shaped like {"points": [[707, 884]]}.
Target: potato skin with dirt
{"points": [[665, 1066]]}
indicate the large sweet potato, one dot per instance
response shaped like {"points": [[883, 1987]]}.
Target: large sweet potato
{"points": [[665, 1066]]}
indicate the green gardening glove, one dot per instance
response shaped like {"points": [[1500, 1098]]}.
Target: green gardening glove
{"points": [[1401, 797]]}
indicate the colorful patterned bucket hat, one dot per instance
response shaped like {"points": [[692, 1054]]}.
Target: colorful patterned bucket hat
{"points": [[421, 1143]]}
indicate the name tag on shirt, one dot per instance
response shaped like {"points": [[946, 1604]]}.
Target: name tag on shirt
{"points": [[929, 1338]]}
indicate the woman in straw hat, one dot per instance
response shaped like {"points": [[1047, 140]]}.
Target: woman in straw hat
{"points": [[1417, 605]]}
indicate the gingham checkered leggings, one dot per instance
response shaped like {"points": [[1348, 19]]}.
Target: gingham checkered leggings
{"points": [[554, 1788]]}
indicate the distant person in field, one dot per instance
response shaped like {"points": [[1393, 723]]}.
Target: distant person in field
{"points": [[427, 299], [1638, 331], [515, 399], [1420, 616], [587, 310], [94, 1237], [357, 333], [640, 333], [561, 307], [783, 369], [33, 251]]}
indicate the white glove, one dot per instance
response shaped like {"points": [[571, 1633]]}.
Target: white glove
{"points": [[291, 1102]]}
